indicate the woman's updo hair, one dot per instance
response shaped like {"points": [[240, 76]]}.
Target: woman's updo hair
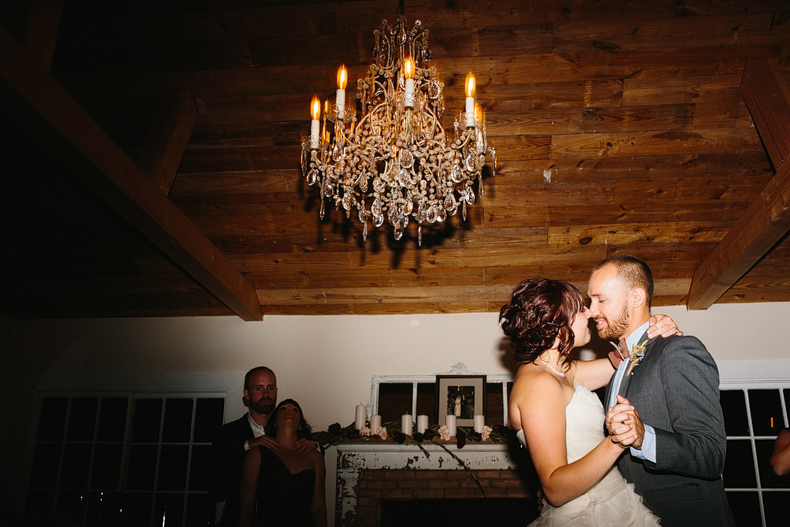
{"points": [[539, 312]]}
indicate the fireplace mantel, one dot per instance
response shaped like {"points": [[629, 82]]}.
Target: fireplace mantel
{"points": [[355, 458]]}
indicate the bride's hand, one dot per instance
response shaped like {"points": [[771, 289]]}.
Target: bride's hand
{"points": [[662, 325]]}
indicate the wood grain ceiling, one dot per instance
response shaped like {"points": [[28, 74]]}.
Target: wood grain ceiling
{"points": [[150, 154]]}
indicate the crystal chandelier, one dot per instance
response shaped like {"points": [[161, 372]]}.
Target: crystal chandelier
{"points": [[396, 161]]}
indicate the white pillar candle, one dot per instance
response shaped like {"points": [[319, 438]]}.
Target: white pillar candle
{"points": [[315, 126], [340, 100], [375, 424], [406, 424], [450, 422], [408, 72], [422, 424], [360, 416], [470, 100], [480, 422]]}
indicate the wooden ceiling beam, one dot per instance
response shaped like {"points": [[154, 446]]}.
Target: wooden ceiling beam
{"points": [[166, 142], [767, 220], [38, 104]]}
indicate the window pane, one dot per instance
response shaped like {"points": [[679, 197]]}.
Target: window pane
{"points": [[39, 502], [82, 419], [200, 473], [739, 465], [170, 506], [494, 415], [112, 419], [173, 467], [106, 466], [745, 507], [178, 421], [71, 505], [394, 401], [777, 508], [142, 467], [733, 404], [766, 409], [76, 464], [426, 401], [200, 510], [138, 507], [46, 460], [147, 416], [208, 419], [52, 421], [768, 479]]}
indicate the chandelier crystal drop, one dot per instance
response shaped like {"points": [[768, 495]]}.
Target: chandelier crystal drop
{"points": [[396, 161]]}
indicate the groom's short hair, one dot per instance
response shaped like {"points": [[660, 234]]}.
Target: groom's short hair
{"points": [[632, 271]]}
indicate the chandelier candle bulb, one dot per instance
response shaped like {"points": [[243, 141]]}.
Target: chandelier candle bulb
{"points": [[375, 424], [451, 428], [315, 125], [360, 416], [479, 423], [422, 423], [406, 424], [340, 101], [408, 72], [470, 100]]}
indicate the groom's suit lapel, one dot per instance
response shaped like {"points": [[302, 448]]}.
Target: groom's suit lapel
{"points": [[627, 378]]}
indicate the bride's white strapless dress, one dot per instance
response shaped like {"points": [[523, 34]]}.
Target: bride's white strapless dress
{"points": [[612, 501]]}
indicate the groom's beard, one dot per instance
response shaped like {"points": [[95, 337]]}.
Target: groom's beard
{"points": [[262, 406], [615, 328]]}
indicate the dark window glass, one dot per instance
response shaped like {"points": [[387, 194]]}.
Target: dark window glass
{"points": [[426, 401], [766, 409], [208, 419], [394, 401], [147, 418], [768, 479], [82, 418], [76, 466], [72, 505], [103, 509], [142, 467], [200, 511], [46, 461], [777, 508], [171, 506], [200, 472], [745, 507], [106, 466], [112, 419], [733, 404], [173, 467], [739, 464], [178, 421], [494, 415], [138, 507], [40, 502], [52, 421]]}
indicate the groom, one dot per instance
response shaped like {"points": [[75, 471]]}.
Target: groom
{"points": [[669, 396]]}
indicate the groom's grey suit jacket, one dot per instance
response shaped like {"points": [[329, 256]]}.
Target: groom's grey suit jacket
{"points": [[675, 389]]}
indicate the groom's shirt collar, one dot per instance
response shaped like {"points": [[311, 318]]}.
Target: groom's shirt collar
{"points": [[634, 338]]}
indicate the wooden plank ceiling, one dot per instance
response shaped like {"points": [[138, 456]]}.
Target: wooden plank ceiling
{"points": [[150, 154]]}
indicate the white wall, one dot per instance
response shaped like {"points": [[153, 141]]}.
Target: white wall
{"points": [[325, 362]]}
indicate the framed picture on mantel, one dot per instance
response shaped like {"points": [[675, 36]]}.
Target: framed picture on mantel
{"points": [[461, 395]]}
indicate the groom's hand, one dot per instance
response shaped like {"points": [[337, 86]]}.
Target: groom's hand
{"points": [[624, 424]]}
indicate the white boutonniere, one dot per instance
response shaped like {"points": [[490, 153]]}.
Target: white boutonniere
{"points": [[636, 356]]}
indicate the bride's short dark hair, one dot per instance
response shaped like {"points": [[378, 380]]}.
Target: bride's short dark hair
{"points": [[539, 311]]}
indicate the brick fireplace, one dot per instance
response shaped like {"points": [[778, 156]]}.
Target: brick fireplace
{"points": [[376, 479]]}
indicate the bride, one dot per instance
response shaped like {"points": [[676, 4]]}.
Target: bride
{"points": [[557, 416]]}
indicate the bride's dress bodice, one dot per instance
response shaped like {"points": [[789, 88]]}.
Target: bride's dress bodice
{"points": [[611, 501]]}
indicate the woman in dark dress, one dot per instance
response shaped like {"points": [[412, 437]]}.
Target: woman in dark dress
{"points": [[280, 486]]}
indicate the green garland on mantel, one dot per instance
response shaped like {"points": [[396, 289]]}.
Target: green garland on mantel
{"points": [[336, 434]]}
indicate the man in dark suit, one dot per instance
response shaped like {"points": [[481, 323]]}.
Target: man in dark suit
{"points": [[236, 438], [669, 394]]}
